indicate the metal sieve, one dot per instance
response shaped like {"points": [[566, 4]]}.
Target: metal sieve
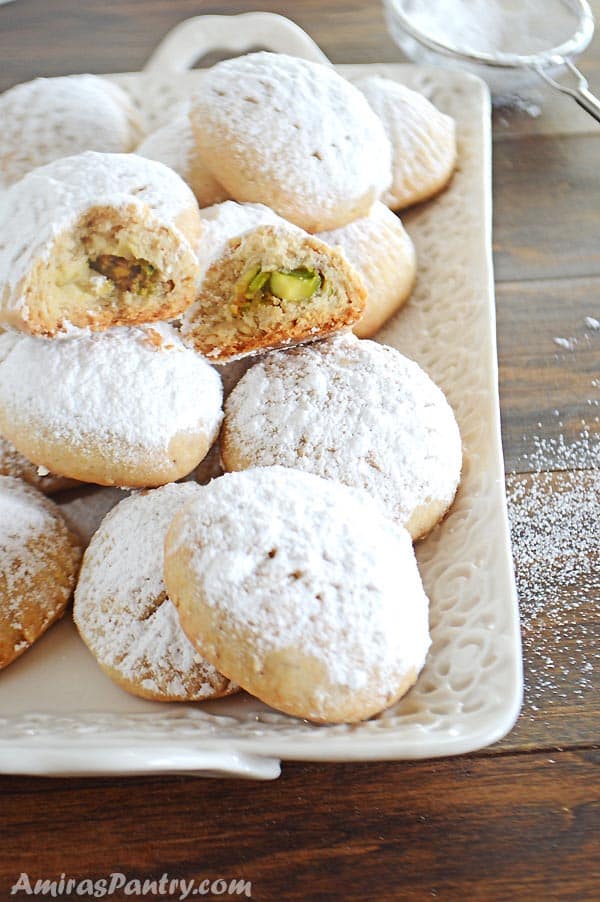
{"points": [[505, 71]]}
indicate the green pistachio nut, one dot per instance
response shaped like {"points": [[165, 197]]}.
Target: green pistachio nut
{"points": [[295, 285]]}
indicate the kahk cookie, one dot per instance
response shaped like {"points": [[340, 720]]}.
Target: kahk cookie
{"points": [[272, 287], [175, 145], [39, 560], [423, 140], [49, 118], [294, 135], [354, 411], [14, 464], [122, 609], [301, 591], [127, 407], [96, 240], [381, 250]]}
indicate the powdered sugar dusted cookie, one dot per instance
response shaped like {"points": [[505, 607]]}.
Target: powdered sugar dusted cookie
{"points": [[14, 464], [49, 118], [96, 240], [130, 406], [39, 560], [122, 609], [294, 135], [175, 145], [222, 222], [383, 253], [273, 286], [301, 591], [355, 411], [423, 140]]}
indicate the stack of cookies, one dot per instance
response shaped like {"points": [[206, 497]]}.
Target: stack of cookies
{"points": [[258, 226]]}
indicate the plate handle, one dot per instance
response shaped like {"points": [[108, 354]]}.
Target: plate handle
{"points": [[192, 39]]}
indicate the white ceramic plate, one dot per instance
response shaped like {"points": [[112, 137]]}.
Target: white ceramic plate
{"points": [[61, 715]]}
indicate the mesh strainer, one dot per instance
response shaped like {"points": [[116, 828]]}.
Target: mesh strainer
{"points": [[430, 31]]}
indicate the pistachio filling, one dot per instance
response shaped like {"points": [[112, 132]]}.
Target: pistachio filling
{"points": [[287, 285], [135, 276]]}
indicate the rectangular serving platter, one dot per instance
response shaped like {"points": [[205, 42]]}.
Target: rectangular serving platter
{"points": [[60, 715]]}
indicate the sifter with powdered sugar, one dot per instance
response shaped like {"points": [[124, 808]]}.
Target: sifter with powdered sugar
{"points": [[509, 43]]}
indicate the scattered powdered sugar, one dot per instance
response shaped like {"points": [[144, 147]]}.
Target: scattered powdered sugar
{"points": [[294, 561], [121, 605], [135, 388], [23, 519], [555, 524], [50, 200], [355, 411]]}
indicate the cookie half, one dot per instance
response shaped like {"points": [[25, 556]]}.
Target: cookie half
{"points": [[301, 591], [126, 407], [423, 140], [96, 240], [381, 250], [39, 560], [272, 287], [354, 411], [122, 609], [293, 135]]}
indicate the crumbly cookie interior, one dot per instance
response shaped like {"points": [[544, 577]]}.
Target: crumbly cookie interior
{"points": [[110, 269], [260, 295]]}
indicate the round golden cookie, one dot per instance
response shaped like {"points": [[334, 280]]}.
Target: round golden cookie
{"points": [[126, 407], [174, 145], [122, 609], [294, 135], [14, 464], [301, 591], [49, 118], [423, 140], [97, 240], [382, 252], [354, 411], [39, 560]]}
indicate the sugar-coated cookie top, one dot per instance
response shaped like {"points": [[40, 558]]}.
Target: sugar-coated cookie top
{"points": [[423, 138], [49, 118], [121, 603], [137, 386], [228, 220], [30, 527], [295, 128], [351, 410], [51, 199], [291, 560]]}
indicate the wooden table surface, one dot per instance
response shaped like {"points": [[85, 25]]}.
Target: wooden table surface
{"points": [[516, 821]]}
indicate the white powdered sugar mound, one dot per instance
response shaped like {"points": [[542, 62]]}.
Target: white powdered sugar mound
{"points": [[121, 605], [354, 411], [50, 200], [295, 561], [135, 388]]}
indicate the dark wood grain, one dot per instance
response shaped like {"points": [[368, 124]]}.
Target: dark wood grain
{"points": [[519, 821], [515, 827], [548, 391]]}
